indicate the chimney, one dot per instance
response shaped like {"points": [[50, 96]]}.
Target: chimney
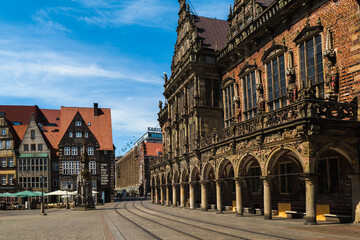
{"points": [[96, 109]]}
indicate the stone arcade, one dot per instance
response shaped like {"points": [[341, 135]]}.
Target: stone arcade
{"points": [[285, 137]]}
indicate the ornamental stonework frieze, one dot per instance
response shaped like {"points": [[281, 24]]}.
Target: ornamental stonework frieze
{"points": [[224, 149], [273, 138], [241, 145]]}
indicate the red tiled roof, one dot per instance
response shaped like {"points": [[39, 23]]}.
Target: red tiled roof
{"points": [[16, 113], [212, 32], [52, 136], [20, 130], [52, 115], [100, 125], [153, 148]]}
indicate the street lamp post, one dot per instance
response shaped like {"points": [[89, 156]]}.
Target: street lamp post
{"points": [[42, 209]]}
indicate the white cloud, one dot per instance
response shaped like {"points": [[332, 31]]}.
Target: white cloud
{"points": [[152, 13], [46, 22]]}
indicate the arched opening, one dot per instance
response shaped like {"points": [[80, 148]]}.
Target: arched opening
{"points": [[209, 177], [169, 189], [195, 181], [157, 190], [226, 174], [163, 189], [252, 190], [185, 187], [176, 181], [334, 188], [287, 185]]}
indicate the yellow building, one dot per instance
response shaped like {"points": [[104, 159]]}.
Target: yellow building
{"points": [[8, 145]]}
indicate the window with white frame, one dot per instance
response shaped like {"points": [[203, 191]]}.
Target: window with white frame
{"points": [[90, 151], [3, 132], [92, 167], [67, 185], [311, 64], [71, 167], [229, 103], [11, 162], [3, 179], [77, 167], [86, 134], [66, 150], [3, 162], [74, 151], [78, 123], [93, 184], [78, 134], [65, 168], [11, 179], [249, 92], [1, 145], [8, 144], [276, 83], [70, 134]]}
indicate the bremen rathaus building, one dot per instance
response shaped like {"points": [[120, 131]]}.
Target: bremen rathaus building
{"points": [[261, 111]]}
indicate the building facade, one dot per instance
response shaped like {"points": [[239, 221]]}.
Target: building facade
{"points": [[127, 169], [35, 159], [290, 131], [9, 142]]}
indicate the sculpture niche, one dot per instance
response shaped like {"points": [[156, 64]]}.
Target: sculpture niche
{"points": [[84, 199]]}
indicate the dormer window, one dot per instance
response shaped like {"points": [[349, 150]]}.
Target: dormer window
{"points": [[78, 134], [78, 123], [70, 134], [86, 134]]}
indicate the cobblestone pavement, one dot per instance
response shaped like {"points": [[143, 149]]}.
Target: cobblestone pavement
{"points": [[141, 220]]}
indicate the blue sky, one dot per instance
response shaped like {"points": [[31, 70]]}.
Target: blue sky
{"points": [[76, 52]]}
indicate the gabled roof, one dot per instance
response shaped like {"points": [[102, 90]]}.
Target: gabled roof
{"points": [[52, 135], [20, 130], [17, 113], [153, 148], [212, 32], [52, 115], [100, 125]]}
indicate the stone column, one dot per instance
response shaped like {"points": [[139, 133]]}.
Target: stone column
{"points": [[182, 195], [267, 198], [162, 194], [218, 196], [156, 195], [152, 194], [239, 202], [355, 185], [204, 200], [167, 195], [310, 185], [192, 195], [174, 195]]}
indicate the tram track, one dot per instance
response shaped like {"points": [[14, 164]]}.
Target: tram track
{"points": [[163, 225], [134, 223], [213, 224], [113, 225]]}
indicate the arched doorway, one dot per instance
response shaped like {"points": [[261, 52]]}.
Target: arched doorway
{"points": [[209, 181], [184, 189], [226, 175], [252, 190], [195, 182], [169, 190], [287, 188], [334, 186]]}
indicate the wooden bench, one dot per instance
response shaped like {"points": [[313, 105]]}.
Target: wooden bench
{"points": [[341, 218], [294, 214]]}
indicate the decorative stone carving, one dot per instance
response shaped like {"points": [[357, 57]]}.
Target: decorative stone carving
{"points": [[290, 73], [260, 91], [331, 75]]}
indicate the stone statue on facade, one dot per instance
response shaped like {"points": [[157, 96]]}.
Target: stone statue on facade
{"points": [[165, 77], [84, 199], [290, 74], [331, 74], [260, 92]]}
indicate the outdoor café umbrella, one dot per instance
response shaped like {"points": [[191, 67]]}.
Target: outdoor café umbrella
{"points": [[58, 192], [26, 194], [7, 194]]}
